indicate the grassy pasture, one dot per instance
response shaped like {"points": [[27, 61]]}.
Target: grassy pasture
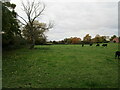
{"points": [[61, 66]]}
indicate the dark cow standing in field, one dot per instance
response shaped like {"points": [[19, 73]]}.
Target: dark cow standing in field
{"points": [[91, 44], [117, 54], [104, 45], [98, 45], [82, 45]]}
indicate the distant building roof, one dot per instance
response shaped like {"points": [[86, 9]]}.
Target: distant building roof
{"points": [[116, 40]]}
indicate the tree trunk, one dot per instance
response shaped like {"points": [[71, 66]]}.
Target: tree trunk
{"points": [[32, 37], [32, 44]]}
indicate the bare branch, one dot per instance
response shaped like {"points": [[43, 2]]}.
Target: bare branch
{"points": [[31, 7], [37, 15], [22, 18], [22, 23], [24, 7], [50, 25], [35, 8]]}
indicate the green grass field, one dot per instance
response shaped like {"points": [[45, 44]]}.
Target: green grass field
{"points": [[61, 66]]}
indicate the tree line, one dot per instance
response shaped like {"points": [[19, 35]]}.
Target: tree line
{"points": [[86, 40]]}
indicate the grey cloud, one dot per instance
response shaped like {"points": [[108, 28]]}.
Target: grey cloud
{"points": [[81, 18]]}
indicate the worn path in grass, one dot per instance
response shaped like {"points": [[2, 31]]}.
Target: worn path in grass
{"points": [[62, 66]]}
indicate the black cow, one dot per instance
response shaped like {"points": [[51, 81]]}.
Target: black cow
{"points": [[91, 44], [117, 54], [104, 45], [82, 45], [97, 44]]}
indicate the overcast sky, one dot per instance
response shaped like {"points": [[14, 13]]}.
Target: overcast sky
{"points": [[75, 18]]}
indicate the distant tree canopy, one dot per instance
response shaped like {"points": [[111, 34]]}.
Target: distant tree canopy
{"points": [[99, 39], [68, 40], [10, 25], [87, 39], [75, 40], [72, 40], [114, 36]]}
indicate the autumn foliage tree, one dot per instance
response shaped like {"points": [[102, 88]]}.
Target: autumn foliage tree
{"points": [[75, 40], [87, 38], [99, 39], [72, 40]]}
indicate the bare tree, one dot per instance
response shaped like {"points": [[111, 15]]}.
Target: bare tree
{"points": [[32, 10]]}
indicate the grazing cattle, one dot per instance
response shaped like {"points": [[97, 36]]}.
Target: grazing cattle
{"points": [[97, 44], [104, 45], [117, 54], [91, 44]]}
